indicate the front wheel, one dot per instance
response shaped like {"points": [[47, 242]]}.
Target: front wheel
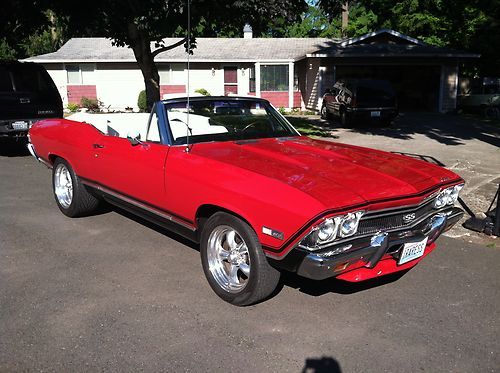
{"points": [[71, 196], [233, 261]]}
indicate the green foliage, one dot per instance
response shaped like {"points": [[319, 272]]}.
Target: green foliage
{"points": [[39, 43], [203, 91], [73, 107], [469, 25], [361, 21], [30, 30], [142, 103], [314, 23], [91, 104], [282, 110], [6, 51]]}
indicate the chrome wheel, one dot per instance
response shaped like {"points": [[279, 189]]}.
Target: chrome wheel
{"points": [[63, 185], [323, 112], [228, 259]]}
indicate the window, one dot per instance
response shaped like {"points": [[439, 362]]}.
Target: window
{"points": [[171, 73], [153, 134], [165, 74], [5, 82], [74, 76], [274, 78], [252, 79], [80, 74]]}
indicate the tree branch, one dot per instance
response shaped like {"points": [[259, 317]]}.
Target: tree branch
{"points": [[168, 47]]}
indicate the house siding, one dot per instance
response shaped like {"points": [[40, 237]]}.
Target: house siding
{"points": [[77, 92], [166, 89]]}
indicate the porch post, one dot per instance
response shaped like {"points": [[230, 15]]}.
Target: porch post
{"points": [[257, 79], [290, 84]]}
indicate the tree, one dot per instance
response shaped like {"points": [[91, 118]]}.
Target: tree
{"points": [[141, 24]]}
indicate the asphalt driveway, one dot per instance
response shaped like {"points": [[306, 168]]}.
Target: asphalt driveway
{"points": [[467, 145], [109, 292]]}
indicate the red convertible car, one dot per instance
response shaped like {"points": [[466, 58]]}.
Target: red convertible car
{"points": [[235, 176]]}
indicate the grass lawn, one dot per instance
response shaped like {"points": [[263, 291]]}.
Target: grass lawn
{"points": [[310, 126]]}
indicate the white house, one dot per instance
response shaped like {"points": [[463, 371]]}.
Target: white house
{"points": [[291, 72]]}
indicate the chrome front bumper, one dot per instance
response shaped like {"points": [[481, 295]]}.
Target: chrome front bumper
{"points": [[337, 259]]}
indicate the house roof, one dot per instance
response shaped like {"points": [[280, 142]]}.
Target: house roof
{"points": [[381, 43], [389, 50], [207, 50]]}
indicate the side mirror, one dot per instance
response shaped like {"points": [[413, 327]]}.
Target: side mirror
{"points": [[134, 137], [328, 91]]}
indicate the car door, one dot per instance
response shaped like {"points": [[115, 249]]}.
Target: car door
{"points": [[332, 103], [135, 171]]}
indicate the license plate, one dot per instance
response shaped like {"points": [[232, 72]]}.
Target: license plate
{"points": [[20, 125], [412, 250], [375, 114]]}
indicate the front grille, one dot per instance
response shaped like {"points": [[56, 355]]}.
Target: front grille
{"points": [[376, 221]]}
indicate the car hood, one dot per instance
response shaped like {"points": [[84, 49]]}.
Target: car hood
{"points": [[329, 171]]}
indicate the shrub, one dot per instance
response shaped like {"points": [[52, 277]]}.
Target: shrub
{"points": [[282, 110], [91, 104], [203, 91], [73, 107], [142, 102]]}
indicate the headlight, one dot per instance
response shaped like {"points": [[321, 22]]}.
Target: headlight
{"points": [[454, 194], [327, 230], [349, 224], [330, 229], [447, 196]]}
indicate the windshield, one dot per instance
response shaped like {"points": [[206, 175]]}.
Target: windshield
{"points": [[23, 78], [222, 119]]}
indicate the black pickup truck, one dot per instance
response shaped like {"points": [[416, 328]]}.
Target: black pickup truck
{"points": [[27, 94]]}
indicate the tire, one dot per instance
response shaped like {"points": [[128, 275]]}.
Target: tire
{"points": [[324, 113], [72, 198], [234, 263], [344, 121]]}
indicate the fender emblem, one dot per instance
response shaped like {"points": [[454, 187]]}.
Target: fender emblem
{"points": [[408, 218], [273, 233]]}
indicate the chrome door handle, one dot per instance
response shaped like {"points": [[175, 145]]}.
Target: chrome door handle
{"points": [[97, 146]]}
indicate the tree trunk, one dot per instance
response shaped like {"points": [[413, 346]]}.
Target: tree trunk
{"points": [[141, 46], [345, 17]]}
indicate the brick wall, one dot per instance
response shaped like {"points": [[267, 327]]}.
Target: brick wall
{"points": [[278, 99], [171, 88], [76, 92], [297, 99]]}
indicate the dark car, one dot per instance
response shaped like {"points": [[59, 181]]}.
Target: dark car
{"points": [[360, 100], [27, 94]]}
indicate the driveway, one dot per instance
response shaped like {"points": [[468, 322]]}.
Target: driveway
{"points": [[467, 145], [111, 292]]}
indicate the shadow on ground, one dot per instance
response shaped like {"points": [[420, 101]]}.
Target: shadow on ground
{"points": [[324, 364], [332, 285], [9, 148], [448, 129]]}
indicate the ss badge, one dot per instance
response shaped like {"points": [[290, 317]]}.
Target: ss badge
{"points": [[408, 218]]}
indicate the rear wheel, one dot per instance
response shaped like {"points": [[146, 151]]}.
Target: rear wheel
{"points": [[324, 113], [71, 196], [233, 261], [344, 121]]}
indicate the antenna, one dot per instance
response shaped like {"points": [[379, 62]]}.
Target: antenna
{"points": [[188, 69]]}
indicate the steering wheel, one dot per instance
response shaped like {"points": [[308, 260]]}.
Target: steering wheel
{"points": [[248, 126]]}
